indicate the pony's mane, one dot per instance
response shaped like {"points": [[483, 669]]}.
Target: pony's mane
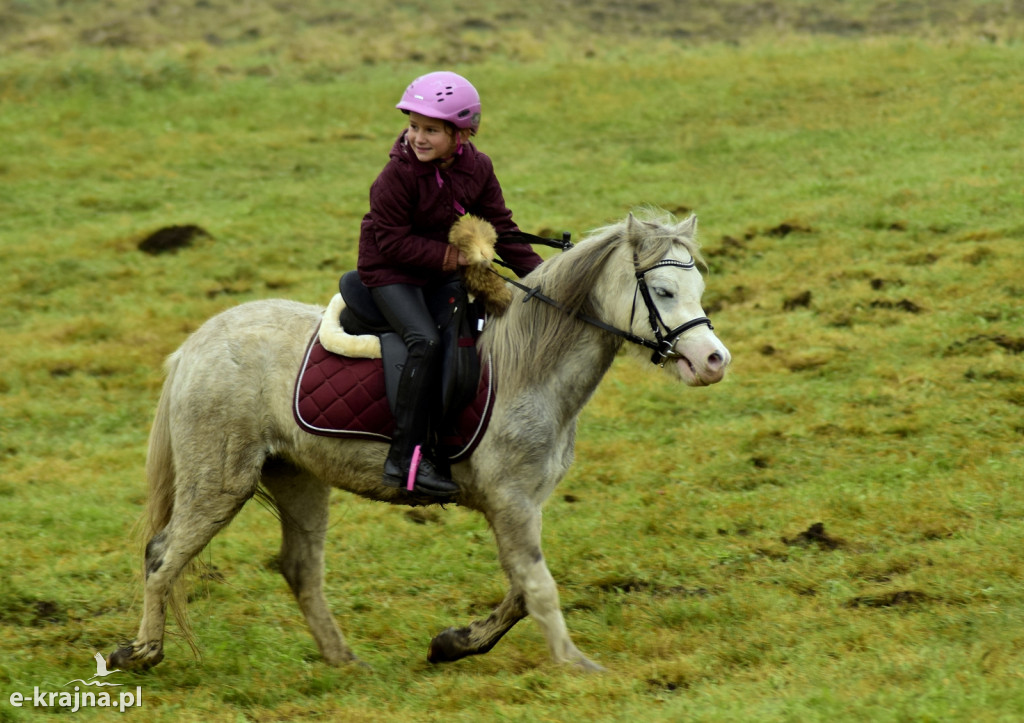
{"points": [[527, 330]]}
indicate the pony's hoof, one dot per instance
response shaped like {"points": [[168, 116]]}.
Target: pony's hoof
{"points": [[125, 658], [589, 666], [449, 645], [344, 659]]}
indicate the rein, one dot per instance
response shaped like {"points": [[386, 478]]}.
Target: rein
{"points": [[662, 344]]}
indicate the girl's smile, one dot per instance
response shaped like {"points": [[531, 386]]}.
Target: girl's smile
{"points": [[429, 138]]}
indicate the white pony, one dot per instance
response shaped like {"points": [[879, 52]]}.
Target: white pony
{"points": [[224, 429]]}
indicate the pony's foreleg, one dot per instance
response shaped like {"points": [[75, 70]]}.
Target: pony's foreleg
{"points": [[532, 591], [302, 502], [480, 635], [527, 570]]}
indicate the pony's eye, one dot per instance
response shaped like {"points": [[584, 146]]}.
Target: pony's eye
{"points": [[663, 293]]}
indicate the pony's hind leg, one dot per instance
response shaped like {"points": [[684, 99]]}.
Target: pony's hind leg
{"points": [[193, 523], [302, 502]]}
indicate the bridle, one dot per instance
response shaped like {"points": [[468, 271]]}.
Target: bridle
{"points": [[663, 342], [664, 338]]}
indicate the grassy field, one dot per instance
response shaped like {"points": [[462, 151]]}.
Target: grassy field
{"points": [[831, 534]]}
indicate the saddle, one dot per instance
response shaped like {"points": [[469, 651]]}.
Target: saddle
{"points": [[450, 308], [347, 385]]}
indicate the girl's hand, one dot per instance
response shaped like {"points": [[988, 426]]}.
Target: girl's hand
{"points": [[463, 260]]}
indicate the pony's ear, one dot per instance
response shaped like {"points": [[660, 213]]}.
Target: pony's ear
{"points": [[634, 234], [687, 227]]}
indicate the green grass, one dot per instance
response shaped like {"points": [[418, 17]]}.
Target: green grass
{"points": [[859, 200]]}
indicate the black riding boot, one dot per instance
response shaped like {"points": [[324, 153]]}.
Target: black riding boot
{"points": [[412, 434], [428, 480]]}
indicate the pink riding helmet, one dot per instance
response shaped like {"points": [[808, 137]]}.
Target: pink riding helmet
{"points": [[445, 96]]}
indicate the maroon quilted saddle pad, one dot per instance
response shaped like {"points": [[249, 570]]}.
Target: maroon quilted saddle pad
{"points": [[336, 396]]}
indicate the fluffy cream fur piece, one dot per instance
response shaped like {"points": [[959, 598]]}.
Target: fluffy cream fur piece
{"points": [[338, 341], [476, 237]]}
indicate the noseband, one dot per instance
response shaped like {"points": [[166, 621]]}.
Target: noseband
{"points": [[664, 338]]}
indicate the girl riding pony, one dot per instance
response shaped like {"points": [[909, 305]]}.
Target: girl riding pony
{"points": [[434, 176]]}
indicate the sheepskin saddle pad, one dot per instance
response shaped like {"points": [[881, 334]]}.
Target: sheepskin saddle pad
{"points": [[340, 391]]}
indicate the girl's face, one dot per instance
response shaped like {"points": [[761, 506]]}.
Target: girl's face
{"points": [[429, 138]]}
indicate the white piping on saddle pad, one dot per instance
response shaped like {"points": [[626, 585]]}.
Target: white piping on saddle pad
{"points": [[336, 340]]}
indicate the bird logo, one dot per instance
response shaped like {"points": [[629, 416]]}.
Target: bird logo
{"points": [[101, 672]]}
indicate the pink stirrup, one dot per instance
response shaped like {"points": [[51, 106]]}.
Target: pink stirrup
{"points": [[446, 96]]}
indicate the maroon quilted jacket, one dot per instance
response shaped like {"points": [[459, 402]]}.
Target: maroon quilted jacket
{"points": [[404, 237]]}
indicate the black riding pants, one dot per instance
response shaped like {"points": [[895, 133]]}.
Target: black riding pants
{"points": [[419, 389]]}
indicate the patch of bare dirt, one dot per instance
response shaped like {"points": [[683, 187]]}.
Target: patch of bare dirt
{"points": [[815, 535], [981, 344], [32, 612], [171, 238], [896, 598]]}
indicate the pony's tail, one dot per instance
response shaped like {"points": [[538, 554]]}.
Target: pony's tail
{"points": [[160, 473]]}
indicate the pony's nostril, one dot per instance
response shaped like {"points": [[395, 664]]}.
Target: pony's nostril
{"points": [[715, 360]]}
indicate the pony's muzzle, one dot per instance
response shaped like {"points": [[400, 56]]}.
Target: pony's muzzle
{"points": [[701, 367]]}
